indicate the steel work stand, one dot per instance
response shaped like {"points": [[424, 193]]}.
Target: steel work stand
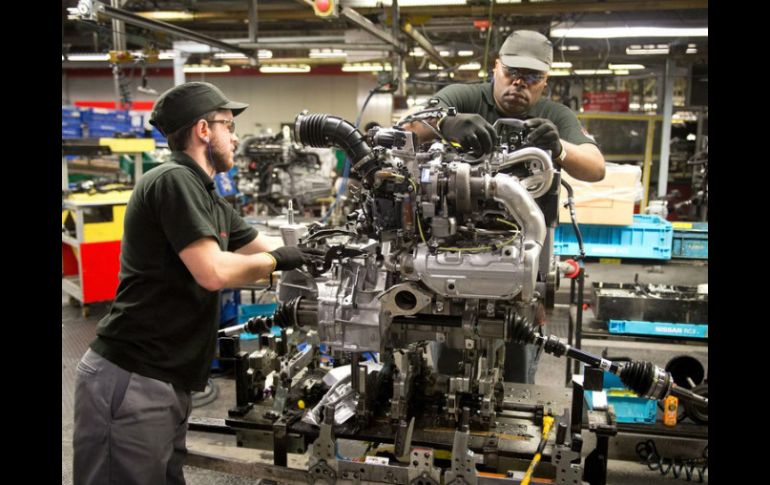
{"points": [[591, 333], [576, 288]]}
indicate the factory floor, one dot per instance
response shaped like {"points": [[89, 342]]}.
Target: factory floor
{"points": [[623, 468]]}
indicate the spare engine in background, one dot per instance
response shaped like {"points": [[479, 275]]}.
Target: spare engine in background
{"points": [[272, 171]]}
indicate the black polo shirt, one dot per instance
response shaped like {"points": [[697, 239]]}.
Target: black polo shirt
{"points": [[162, 324], [478, 98]]}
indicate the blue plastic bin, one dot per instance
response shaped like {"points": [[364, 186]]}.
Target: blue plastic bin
{"points": [[69, 113], [628, 408], [67, 132], [633, 409], [111, 127], [691, 243], [649, 237], [103, 115], [660, 329], [229, 304], [70, 122]]}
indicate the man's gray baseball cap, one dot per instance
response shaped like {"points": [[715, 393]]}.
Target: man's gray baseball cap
{"points": [[182, 105], [527, 49]]}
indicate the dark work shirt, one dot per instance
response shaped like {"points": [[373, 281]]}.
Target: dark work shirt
{"points": [[163, 324], [478, 98]]}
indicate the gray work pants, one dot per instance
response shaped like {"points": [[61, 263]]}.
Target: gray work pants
{"points": [[129, 429]]}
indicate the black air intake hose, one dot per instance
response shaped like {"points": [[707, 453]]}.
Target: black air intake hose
{"points": [[322, 131]]}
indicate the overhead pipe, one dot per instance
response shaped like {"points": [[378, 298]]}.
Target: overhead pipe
{"points": [[155, 25], [367, 25], [314, 45], [523, 8], [425, 44]]}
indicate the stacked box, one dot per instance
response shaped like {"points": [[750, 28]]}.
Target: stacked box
{"points": [[70, 122], [607, 202], [106, 123], [103, 123], [137, 123]]}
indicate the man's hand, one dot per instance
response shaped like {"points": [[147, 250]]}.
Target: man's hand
{"points": [[290, 257], [544, 134], [469, 130]]}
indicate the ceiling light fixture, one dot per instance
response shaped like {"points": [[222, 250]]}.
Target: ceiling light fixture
{"points": [[285, 69], [366, 67], [200, 68], [625, 66], [592, 72], [229, 55], [327, 53], [88, 57], [262, 53], [464, 53], [561, 65], [627, 31], [471, 66], [649, 49], [168, 15]]}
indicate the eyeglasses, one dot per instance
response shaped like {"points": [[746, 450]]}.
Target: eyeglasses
{"points": [[526, 75], [230, 124]]}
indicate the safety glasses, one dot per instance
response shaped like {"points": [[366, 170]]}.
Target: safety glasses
{"points": [[229, 124], [526, 75]]}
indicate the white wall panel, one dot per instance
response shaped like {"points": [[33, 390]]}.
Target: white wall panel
{"points": [[273, 99]]}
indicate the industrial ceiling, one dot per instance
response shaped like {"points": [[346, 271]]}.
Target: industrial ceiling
{"points": [[468, 33]]}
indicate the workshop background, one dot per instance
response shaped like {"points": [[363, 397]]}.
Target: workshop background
{"points": [[635, 72]]}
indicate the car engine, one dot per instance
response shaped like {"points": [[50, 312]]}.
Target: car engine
{"points": [[272, 170]]}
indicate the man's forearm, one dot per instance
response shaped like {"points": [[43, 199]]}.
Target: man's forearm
{"points": [[235, 270], [215, 269], [583, 162], [260, 244], [424, 133]]}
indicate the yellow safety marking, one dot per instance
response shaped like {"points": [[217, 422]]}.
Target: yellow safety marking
{"points": [[681, 225], [129, 145]]}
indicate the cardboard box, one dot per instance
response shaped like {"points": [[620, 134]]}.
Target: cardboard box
{"points": [[609, 201]]}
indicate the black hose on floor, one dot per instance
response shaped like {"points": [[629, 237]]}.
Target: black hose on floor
{"points": [[207, 396]]}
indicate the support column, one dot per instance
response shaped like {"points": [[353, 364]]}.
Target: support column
{"points": [[180, 57], [119, 44], [665, 135]]}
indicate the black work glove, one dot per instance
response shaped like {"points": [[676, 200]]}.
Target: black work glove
{"points": [[544, 134], [471, 131], [291, 257]]}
